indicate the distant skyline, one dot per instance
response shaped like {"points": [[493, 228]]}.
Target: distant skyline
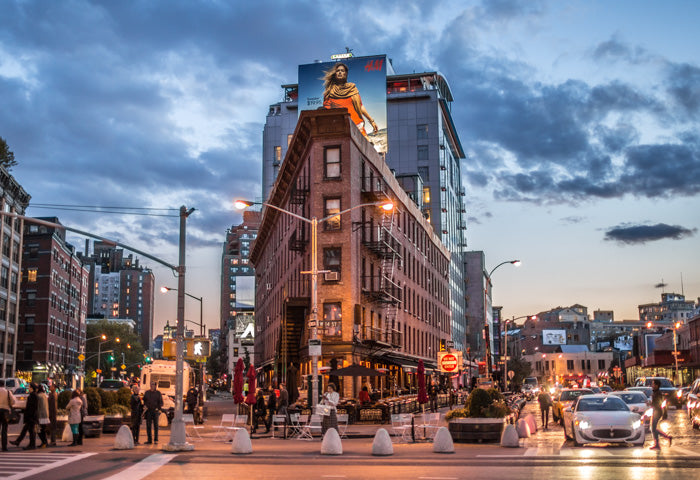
{"points": [[580, 120]]}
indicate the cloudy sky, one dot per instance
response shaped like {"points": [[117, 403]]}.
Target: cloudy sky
{"points": [[580, 120]]}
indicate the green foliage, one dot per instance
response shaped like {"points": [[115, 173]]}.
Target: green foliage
{"points": [[64, 398], [7, 157], [482, 403], [495, 395], [94, 400], [117, 409], [124, 397], [457, 413], [521, 370], [132, 356], [477, 401], [107, 397]]}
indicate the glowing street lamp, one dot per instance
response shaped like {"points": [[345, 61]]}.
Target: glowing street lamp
{"points": [[387, 206]]}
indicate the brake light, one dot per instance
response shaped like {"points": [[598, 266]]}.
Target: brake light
{"points": [[679, 394]]}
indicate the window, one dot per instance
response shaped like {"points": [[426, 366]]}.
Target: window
{"points": [[29, 325], [332, 207], [426, 194], [278, 154], [424, 173], [422, 153], [569, 364], [331, 260], [332, 320], [422, 132], [601, 365], [31, 275], [331, 162]]}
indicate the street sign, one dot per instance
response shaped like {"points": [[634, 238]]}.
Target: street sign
{"points": [[315, 347], [511, 374], [81, 357], [449, 362], [99, 370], [123, 367], [114, 369]]}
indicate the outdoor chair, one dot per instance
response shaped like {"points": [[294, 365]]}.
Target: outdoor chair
{"points": [[279, 421], [191, 430], [314, 425], [430, 425], [401, 426], [227, 421], [342, 424], [295, 424]]}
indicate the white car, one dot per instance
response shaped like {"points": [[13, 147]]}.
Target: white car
{"points": [[637, 402], [20, 394], [603, 419]]}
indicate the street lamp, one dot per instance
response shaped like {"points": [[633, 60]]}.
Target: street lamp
{"points": [[676, 326], [487, 337], [387, 206], [199, 299]]}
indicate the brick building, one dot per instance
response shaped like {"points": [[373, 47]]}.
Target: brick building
{"points": [[385, 299]]}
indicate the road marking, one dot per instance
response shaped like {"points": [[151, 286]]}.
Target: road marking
{"points": [[64, 460], [531, 452], [144, 468], [566, 452], [437, 478], [684, 451]]}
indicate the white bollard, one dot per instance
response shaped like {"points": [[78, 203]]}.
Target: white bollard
{"points": [[523, 428], [241, 443], [162, 420], [124, 439], [510, 437], [531, 422], [382, 443], [331, 443], [443, 441], [67, 434]]}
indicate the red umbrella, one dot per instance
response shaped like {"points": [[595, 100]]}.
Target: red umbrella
{"points": [[250, 399], [422, 393], [238, 382]]}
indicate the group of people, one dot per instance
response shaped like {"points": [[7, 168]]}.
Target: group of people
{"points": [[277, 404], [657, 405], [148, 407]]}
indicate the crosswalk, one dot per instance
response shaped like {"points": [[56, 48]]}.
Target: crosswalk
{"points": [[599, 453], [17, 465]]}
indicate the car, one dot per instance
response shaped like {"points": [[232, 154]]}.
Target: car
{"points": [[682, 395], [20, 394], [606, 388], [667, 388], [637, 402], [693, 404], [645, 390], [12, 383], [112, 384], [601, 418], [565, 399]]}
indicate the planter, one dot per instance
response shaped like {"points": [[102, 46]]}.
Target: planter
{"points": [[476, 429], [61, 421], [92, 425], [112, 423]]}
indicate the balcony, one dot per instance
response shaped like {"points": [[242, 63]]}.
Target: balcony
{"points": [[386, 246], [374, 189], [375, 335], [379, 288]]}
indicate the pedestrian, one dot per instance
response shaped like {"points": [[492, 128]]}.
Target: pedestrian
{"points": [[283, 401], [658, 406], [191, 399], [75, 416], [43, 415], [433, 396], [331, 400], [83, 413], [30, 420], [259, 409], [136, 413], [53, 406], [7, 400], [364, 396], [545, 402], [271, 409], [153, 401]]}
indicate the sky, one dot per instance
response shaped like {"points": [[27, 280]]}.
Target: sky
{"points": [[579, 119]]}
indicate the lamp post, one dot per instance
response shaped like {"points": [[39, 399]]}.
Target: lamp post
{"points": [[489, 360], [201, 311], [314, 221], [676, 326]]}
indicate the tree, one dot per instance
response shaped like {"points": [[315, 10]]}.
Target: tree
{"points": [[127, 338], [520, 368], [7, 157]]}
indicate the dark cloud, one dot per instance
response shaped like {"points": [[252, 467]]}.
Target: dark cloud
{"points": [[614, 50], [636, 234], [684, 87]]}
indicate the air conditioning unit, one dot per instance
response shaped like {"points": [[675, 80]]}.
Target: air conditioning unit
{"points": [[331, 276]]}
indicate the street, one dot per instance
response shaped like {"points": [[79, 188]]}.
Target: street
{"points": [[544, 455]]}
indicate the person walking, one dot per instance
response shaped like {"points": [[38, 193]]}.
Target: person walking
{"points": [[658, 406], [191, 399], [259, 410], [53, 406], [83, 413], [43, 415], [136, 413], [153, 401], [30, 419], [271, 409], [283, 401], [7, 400], [433, 396], [545, 402], [75, 416], [330, 399]]}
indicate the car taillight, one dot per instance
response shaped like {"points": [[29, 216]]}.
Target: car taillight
{"points": [[679, 394]]}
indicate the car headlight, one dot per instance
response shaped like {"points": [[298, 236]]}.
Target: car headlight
{"points": [[583, 424], [636, 424], [649, 413]]}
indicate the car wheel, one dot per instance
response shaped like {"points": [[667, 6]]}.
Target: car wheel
{"points": [[567, 436], [576, 442]]}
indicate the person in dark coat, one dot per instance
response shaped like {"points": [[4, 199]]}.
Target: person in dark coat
{"points": [[136, 413], [657, 404], [545, 402], [271, 409], [283, 401], [191, 399], [433, 396], [259, 409], [153, 401], [53, 406], [30, 419]]}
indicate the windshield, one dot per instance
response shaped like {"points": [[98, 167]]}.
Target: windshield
{"points": [[568, 395], [635, 397], [164, 381], [607, 404]]}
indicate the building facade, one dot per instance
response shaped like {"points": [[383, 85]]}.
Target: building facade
{"points": [[54, 305], [672, 308], [12, 200], [425, 152], [384, 296]]}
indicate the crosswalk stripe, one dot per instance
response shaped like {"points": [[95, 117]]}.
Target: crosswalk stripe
{"points": [[530, 452], [685, 451], [61, 460], [144, 468]]}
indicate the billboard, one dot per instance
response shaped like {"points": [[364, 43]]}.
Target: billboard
{"points": [[245, 291], [357, 84], [553, 337]]}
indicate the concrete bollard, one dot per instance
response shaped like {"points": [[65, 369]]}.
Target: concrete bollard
{"points": [[124, 439], [531, 422], [162, 420], [523, 428], [241, 444], [331, 444], [510, 437], [382, 443], [442, 443]]}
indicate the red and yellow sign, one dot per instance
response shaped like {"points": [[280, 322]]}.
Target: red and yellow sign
{"points": [[450, 362]]}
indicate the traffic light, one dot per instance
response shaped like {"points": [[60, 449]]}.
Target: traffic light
{"points": [[443, 346], [111, 357]]}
